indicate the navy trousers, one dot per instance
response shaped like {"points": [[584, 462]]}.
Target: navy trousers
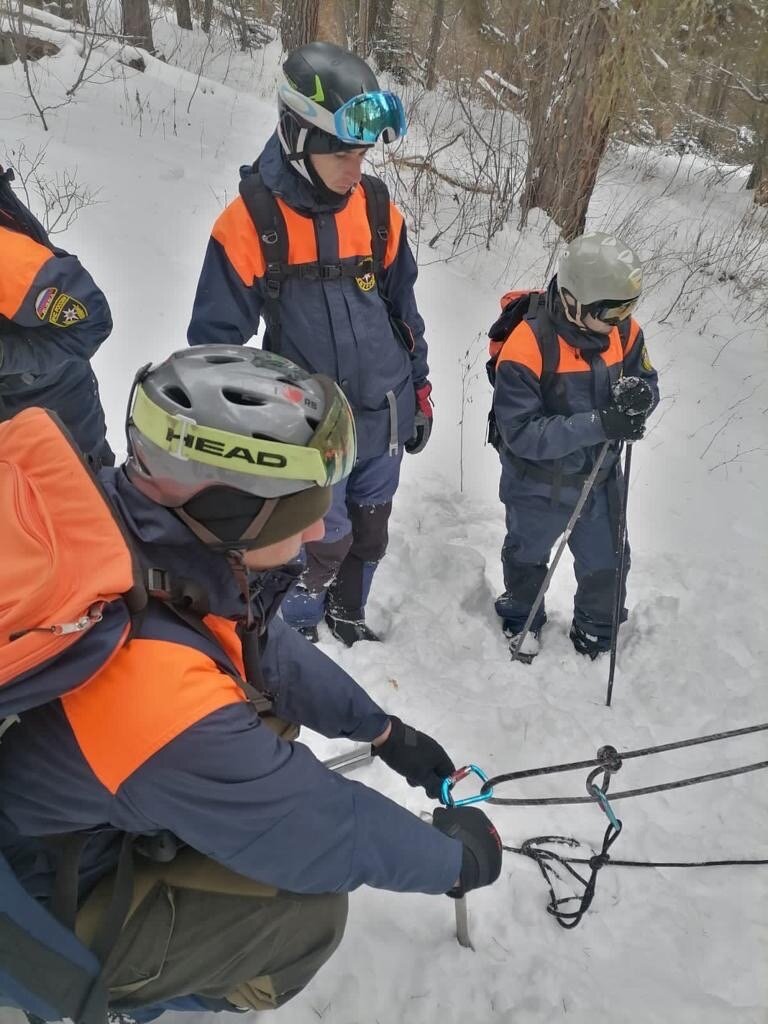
{"points": [[339, 568], [534, 524]]}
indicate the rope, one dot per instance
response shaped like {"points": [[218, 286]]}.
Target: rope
{"points": [[600, 761], [611, 862]]}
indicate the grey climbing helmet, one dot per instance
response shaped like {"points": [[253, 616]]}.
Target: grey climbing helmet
{"points": [[598, 274], [242, 444]]}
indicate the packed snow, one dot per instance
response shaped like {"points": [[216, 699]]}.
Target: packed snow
{"points": [[162, 148]]}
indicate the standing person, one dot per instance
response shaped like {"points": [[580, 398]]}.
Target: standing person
{"points": [[555, 404], [330, 271], [181, 738], [53, 317]]}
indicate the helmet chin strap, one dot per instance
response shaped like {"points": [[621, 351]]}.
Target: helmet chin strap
{"points": [[575, 319]]}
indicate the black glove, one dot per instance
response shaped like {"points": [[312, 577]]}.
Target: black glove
{"points": [[633, 395], [416, 756], [620, 426], [481, 862]]}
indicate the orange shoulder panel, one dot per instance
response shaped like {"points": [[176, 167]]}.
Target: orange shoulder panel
{"points": [[521, 347], [302, 244], [352, 227], [21, 262], [395, 230], [235, 232], [151, 691]]}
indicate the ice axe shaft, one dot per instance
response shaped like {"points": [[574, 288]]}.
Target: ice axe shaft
{"points": [[588, 484], [356, 758], [620, 572]]}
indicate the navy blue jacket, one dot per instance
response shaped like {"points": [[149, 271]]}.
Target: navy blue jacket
{"points": [[219, 780], [337, 327]]}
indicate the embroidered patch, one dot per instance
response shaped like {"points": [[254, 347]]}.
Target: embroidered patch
{"points": [[44, 300], [645, 360], [67, 311], [366, 282]]}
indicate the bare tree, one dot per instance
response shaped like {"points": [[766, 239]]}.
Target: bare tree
{"points": [[363, 27], [331, 27], [438, 13], [137, 24], [183, 14], [298, 22], [571, 101]]}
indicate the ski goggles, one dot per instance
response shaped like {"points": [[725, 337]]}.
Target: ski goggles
{"points": [[326, 459], [609, 311], [361, 121]]}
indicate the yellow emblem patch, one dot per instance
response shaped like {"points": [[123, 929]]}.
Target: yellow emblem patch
{"points": [[366, 282], [645, 360], [66, 311]]}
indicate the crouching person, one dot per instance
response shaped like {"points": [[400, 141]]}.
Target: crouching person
{"points": [[213, 853]]}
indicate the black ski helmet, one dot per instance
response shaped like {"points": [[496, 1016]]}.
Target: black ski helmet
{"points": [[318, 78]]}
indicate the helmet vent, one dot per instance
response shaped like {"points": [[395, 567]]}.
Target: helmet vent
{"points": [[221, 360], [242, 398], [177, 395]]}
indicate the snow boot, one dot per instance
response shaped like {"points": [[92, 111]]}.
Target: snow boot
{"points": [[588, 643], [350, 631], [529, 649]]}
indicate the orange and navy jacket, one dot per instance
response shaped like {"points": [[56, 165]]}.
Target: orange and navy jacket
{"points": [[558, 428], [162, 738], [53, 318], [337, 327]]}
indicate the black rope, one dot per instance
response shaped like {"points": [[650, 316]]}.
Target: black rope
{"points": [[679, 784], [642, 752], [612, 862]]}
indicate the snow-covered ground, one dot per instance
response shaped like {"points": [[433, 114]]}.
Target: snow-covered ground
{"points": [[664, 945]]}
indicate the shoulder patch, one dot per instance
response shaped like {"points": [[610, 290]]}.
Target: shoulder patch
{"points": [[645, 360], [66, 311], [44, 300]]}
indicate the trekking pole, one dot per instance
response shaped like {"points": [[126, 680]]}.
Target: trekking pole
{"points": [[356, 758], [622, 553], [588, 484]]}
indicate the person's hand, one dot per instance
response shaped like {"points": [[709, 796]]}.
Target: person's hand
{"points": [[422, 422], [481, 861], [417, 757], [620, 426], [633, 395]]}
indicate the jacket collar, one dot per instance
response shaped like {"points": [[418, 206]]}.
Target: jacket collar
{"points": [[283, 181]]}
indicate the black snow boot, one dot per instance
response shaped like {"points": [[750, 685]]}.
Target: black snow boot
{"points": [[587, 643], [310, 632], [350, 631]]}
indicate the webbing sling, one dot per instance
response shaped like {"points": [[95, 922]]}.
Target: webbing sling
{"points": [[271, 229]]}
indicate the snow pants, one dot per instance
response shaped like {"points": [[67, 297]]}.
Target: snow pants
{"points": [[534, 524], [200, 937], [339, 568]]}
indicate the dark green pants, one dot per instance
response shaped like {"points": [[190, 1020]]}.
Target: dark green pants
{"points": [[197, 928]]}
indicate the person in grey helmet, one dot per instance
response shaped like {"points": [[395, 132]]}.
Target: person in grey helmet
{"points": [[557, 357], [182, 734], [316, 249]]}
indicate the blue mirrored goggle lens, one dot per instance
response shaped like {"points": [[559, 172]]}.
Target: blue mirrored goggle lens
{"points": [[364, 119]]}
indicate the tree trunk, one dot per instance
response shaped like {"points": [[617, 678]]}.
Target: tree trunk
{"points": [[298, 23], [238, 9], [183, 14], [569, 112], [330, 23], [205, 21], [80, 12], [381, 33], [363, 34], [137, 24], [438, 13]]}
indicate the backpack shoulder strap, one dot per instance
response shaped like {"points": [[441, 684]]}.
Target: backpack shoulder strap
{"points": [[271, 229], [541, 324], [377, 204], [625, 328]]}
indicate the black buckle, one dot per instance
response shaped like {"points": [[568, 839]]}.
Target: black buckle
{"points": [[330, 271], [273, 279]]}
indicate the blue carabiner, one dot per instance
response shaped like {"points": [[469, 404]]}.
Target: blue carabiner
{"points": [[602, 799], [461, 773]]}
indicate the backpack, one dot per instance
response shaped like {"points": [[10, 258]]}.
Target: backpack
{"points": [[273, 238], [15, 215], [519, 306], [69, 575]]}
